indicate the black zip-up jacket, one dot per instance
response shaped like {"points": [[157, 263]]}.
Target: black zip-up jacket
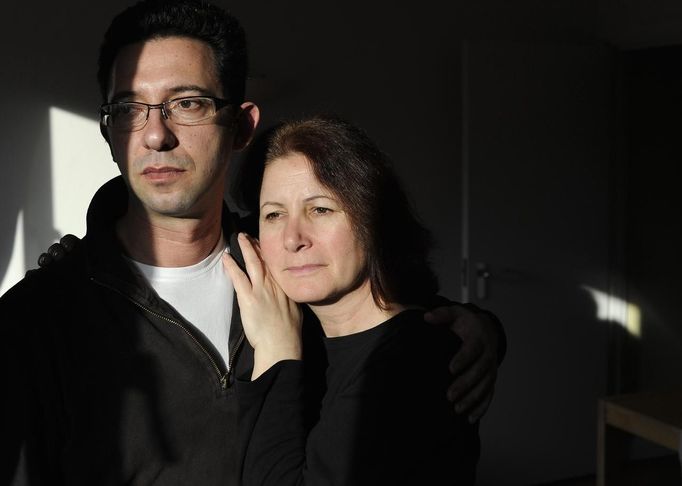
{"points": [[105, 383]]}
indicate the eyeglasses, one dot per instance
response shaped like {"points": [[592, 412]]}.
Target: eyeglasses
{"points": [[129, 116]]}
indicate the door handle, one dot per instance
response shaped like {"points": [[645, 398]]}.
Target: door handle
{"points": [[482, 276]]}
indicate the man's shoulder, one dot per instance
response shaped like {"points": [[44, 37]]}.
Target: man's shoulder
{"points": [[48, 284]]}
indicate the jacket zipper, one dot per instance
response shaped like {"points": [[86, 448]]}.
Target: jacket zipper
{"points": [[222, 378], [233, 354]]}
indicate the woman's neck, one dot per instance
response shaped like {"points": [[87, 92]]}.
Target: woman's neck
{"points": [[354, 312]]}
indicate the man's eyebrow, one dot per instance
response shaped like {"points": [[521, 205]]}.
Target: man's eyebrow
{"points": [[130, 95], [192, 87], [122, 95]]}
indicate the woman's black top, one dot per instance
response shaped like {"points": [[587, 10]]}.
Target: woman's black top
{"points": [[382, 416]]}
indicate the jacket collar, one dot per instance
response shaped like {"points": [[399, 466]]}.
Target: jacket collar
{"points": [[104, 252]]}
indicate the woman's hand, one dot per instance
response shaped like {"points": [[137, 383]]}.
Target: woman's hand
{"points": [[272, 321]]}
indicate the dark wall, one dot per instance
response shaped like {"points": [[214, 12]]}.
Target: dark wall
{"points": [[654, 205]]}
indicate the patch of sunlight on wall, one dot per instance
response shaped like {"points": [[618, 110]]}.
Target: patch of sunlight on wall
{"points": [[15, 270], [81, 163], [614, 309]]}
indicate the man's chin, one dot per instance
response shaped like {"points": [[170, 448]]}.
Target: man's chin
{"points": [[171, 207]]}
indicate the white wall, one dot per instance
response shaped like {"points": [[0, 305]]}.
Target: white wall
{"points": [[52, 154]]}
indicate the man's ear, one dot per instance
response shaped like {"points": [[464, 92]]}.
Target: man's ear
{"points": [[246, 123], [105, 134]]}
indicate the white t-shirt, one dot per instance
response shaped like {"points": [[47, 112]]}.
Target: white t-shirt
{"points": [[201, 293]]}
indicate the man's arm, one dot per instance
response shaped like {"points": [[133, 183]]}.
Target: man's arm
{"points": [[474, 367], [29, 455]]}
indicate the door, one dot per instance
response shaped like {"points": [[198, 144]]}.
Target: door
{"points": [[538, 167]]}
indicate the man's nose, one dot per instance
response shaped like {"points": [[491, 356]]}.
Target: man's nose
{"points": [[158, 135]]}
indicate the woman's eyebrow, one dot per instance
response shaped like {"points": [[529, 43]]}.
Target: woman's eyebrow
{"points": [[307, 199], [317, 196], [271, 203]]}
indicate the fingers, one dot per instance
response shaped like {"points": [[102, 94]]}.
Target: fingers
{"points": [[475, 364], [467, 355], [44, 259], [56, 251], [473, 400], [440, 315], [69, 242], [240, 281], [252, 260], [476, 372], [477, 412]]}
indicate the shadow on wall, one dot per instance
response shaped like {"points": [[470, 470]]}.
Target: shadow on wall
{"points": [[49, 186], [26, 218], [53, 67]]}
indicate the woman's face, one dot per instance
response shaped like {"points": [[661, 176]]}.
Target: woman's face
{"points": [[306, 237]]}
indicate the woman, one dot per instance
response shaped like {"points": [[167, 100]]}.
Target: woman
{"points": [[336, 233]]}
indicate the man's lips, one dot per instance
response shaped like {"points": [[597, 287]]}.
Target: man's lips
{"points": [[161, 173], [160, 170]]}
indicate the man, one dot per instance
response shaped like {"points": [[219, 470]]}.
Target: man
{"points": [[122, 372]]}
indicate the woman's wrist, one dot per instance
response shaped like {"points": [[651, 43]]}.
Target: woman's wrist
{"points": [[264, 357]]}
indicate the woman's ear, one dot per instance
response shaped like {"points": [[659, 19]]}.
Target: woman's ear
{"points": [[246, 123]]}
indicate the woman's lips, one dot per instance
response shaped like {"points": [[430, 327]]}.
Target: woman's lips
{"points": [[302, 270]]}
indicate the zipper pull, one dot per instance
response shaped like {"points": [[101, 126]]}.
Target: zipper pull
{"points": [[224, 380]]}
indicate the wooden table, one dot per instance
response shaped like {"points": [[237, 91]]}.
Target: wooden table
{"points": [[656, 417]]}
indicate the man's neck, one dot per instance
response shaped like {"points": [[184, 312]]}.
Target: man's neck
{"points": [[164, 241]]}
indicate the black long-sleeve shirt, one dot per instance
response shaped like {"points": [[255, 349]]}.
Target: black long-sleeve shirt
{"points": [[384, 418]]}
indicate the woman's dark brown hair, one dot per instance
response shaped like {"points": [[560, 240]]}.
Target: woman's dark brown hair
{"points": [[348, 163]]}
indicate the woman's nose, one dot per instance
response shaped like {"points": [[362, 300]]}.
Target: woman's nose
{"points": [[296, 235]]}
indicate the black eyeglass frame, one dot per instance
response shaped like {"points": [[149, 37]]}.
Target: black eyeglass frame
{"points": [[219, 104]]}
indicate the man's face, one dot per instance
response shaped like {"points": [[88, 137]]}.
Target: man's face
{"points": [[171, 169]]}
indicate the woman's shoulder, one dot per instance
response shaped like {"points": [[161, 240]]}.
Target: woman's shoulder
{"points": [[414, 347], [410, 328]]}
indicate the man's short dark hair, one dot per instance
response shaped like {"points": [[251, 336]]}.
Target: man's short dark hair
{"points": [[156, 19], [348, 163]]}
